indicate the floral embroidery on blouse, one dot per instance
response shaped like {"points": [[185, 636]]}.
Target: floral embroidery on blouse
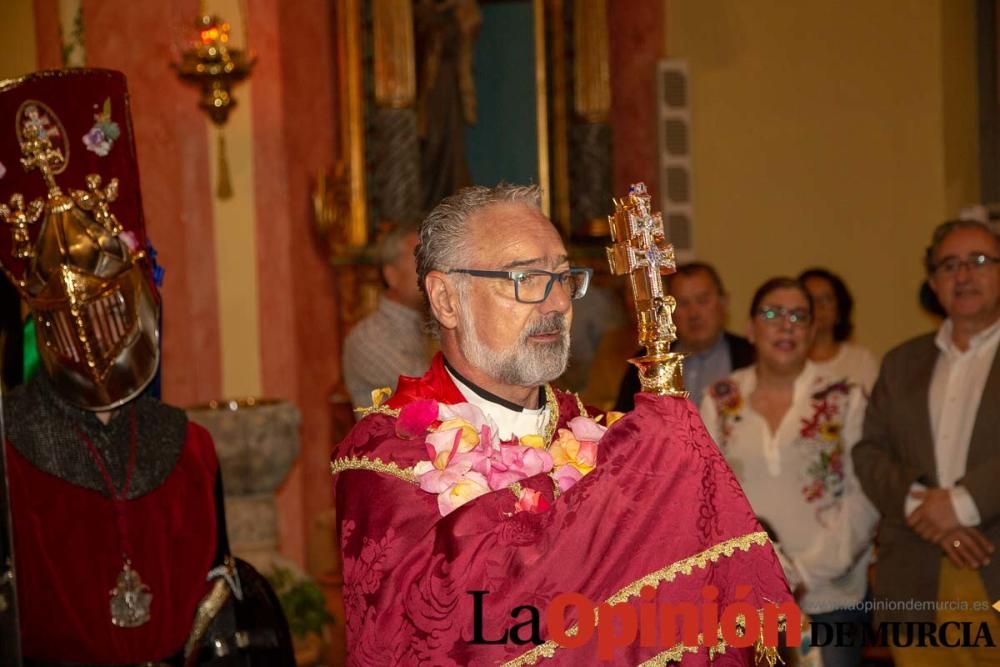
{"points": [[823, 429], [728, 402]]}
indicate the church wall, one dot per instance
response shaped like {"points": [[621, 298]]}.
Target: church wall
{"points": [[295, 119], [17, 34], [172, 138], [835, 134], [635, 44]]}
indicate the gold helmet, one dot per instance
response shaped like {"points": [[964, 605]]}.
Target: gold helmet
{"points": [[75, 238]]}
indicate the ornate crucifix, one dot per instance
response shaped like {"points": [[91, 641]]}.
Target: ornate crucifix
{"points": [[640, 250]]}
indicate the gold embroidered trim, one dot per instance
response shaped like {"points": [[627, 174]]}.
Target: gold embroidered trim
{"points": [[580, 407], [553, 407], [378, 406], [672, 654], [668, 573], [377, 410], [556, 491], [516, 489], [701, 560], [374, 465], [764, 655]]}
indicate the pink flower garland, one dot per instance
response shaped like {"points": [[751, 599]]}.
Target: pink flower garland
{"points": [[467, 459]]}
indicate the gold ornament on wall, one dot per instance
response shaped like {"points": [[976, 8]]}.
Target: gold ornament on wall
{"points": [[214, 66]]}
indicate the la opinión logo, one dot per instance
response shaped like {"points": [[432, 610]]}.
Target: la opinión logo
{"points": [[653, 624]]}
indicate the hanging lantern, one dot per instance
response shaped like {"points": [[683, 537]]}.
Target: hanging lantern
{"points": [[215, 67]]}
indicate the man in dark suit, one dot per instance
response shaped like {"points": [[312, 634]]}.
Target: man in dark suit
{"points": [[712, 353], [928, 458]]}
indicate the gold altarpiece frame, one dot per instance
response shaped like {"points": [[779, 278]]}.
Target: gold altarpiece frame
{"points": [[377, 70]]}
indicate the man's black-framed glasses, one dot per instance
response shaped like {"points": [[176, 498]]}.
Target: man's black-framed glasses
{"points": [[975, 262], [535, 285]]}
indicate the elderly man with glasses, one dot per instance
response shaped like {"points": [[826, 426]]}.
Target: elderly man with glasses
{"points": [[928, 458], [477, 495]]}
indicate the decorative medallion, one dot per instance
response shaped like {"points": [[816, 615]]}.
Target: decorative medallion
{"points": [[130, 599], [47, 128]]}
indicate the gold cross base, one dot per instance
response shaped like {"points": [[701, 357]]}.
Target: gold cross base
{"points": [[661, 374]]}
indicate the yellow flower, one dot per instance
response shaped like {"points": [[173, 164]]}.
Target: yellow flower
{"points": [[566, 450], [470, 436], [443, 440], [612, 417], [471, 486], [534, 441], [829, 431]]}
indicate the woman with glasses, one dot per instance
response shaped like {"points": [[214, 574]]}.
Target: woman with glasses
{"points": [[832, 352], [786, 430]]}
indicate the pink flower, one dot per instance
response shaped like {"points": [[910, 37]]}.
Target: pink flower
{"points": [[466, 458], [439, 480], [471, 486], [531, 501], [568, 451], [128, 238], [566, 476], [515, 462], [416, 418], [586, 429], [457, 434]]}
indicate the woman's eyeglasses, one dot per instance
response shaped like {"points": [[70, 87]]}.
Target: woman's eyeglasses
{"points": [[794, 316]]}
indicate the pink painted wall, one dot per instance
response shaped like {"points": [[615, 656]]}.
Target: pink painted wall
{"points": [[139, 39], [293, 109], [293, 120], [47, 44]]}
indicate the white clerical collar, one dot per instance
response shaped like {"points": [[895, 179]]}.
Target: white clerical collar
{"points": [[511, 419]]}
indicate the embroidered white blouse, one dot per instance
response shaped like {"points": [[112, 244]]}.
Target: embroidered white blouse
{"points": [[853, 362], [800, 479]]}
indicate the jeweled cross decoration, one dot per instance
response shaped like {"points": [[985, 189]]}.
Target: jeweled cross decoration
{"points": [[41, 155], [639, 242], [640, 250]]}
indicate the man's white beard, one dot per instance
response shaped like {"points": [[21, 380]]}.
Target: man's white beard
{"points": [[525, 364]]}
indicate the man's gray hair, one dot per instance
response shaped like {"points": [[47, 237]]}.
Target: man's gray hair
{"points": [[945, 228], [443, 233]]}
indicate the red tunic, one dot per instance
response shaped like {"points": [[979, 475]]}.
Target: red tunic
{"points": [[661, 508], [68, 557]]}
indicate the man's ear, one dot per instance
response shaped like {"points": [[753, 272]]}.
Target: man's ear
{"points": [[390, 274], [443, 298], [932, 283]]}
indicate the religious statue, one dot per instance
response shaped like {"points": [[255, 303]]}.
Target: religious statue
{"points": [[445, 35]]}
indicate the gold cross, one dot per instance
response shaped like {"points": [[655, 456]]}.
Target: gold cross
{"points": [[39, 154], [19, 218], [640, 250], [96, 201]]}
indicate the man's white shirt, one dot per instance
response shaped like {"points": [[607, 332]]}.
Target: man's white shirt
{"points": [[953, 399]]}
